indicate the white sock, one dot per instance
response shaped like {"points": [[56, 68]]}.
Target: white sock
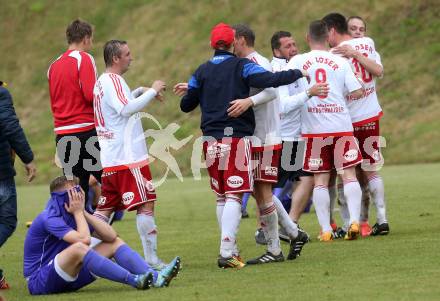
{"points": [[284, 219], [365, 203], [353, 195], [230, 222], [377, 190], [219, 211], [321, 201], [343, 208], [269, 223], [148, 233], [332, 193]]}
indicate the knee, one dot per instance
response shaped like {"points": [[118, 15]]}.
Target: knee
{"points": [[80, 249]]}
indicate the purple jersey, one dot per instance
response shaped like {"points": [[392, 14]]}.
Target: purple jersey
{"points": [[44, 241]]}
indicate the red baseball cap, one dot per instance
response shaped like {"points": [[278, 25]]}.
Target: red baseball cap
{"points": [[222, 32]]}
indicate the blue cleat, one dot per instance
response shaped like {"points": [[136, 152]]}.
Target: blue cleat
{"points": [[167, 274], [144, 281]]}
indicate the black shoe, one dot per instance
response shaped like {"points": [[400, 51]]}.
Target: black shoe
{"points": [[382, 229], [297, 244], [144, 281], [244, 214], [339, 233], [230, 262], [267, 258], [282, 234], [260, 238]]}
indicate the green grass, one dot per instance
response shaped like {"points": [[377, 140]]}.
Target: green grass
{"points": [[169, 39], [402, 266]]}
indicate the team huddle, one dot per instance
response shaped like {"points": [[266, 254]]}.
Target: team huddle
{"points": [[311, 119]]}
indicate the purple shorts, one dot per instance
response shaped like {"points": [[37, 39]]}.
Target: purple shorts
{"points": [[48, 281]]}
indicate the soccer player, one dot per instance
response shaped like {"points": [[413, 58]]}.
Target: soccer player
{"points": [[366, 111], [327, 126], [72, 77], [213, 86], [266, 151], [12, 141], [57, 255], [126, 180], [292, 98]]}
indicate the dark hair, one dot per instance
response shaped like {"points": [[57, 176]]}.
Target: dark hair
{"points": [[318, 31], [242, 30], [111, 49], [336, 21], [77, 31], [60, 182], [275, 40], [357, 17]]}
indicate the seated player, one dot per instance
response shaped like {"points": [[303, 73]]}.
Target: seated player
{"points": [[57, 255]]}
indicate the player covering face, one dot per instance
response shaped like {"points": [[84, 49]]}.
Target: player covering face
{"points": [[57, 255]]}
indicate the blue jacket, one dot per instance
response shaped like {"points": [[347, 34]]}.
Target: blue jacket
{"points": [[223, 79], [12, 138]]}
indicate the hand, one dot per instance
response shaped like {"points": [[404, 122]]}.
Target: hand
{"points": [[306, 75], [319, 89], [180, 89], [31, 171], [76, 201], [159, 86], [239, 106], [345, 50]]}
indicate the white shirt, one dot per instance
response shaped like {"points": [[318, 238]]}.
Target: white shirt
{"points": [[267, 116], [291, 99], [326, 116], [365, 109], [120, 137]]}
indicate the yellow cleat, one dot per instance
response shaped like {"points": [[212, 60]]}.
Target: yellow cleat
{"points": [[326, 236], [353, 232]]}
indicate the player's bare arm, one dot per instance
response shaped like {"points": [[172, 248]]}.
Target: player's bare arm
{"points": [[103, 230], [76, 208], [357, 93], [370, 65]]}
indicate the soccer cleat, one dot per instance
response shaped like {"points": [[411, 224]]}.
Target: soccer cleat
{"points": [[230, 262], [267, 258], [382, 229], [353, 232], [365, 229], [282, 234], [297, 244], [326, 236], [339, 233], [3, 284], [260, 238], [167, 274], [244, 214], [144, 281]]}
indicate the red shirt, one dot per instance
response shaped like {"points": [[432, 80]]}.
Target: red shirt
{"points": [[72, 77]]}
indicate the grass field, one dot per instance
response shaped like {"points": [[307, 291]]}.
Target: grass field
{"points": [[402, 266]]}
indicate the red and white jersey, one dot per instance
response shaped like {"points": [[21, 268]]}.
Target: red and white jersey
{"points": [[291, 99], [367, 108], [267, 117], [120, 138], [327, 115], [72, 77]]}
